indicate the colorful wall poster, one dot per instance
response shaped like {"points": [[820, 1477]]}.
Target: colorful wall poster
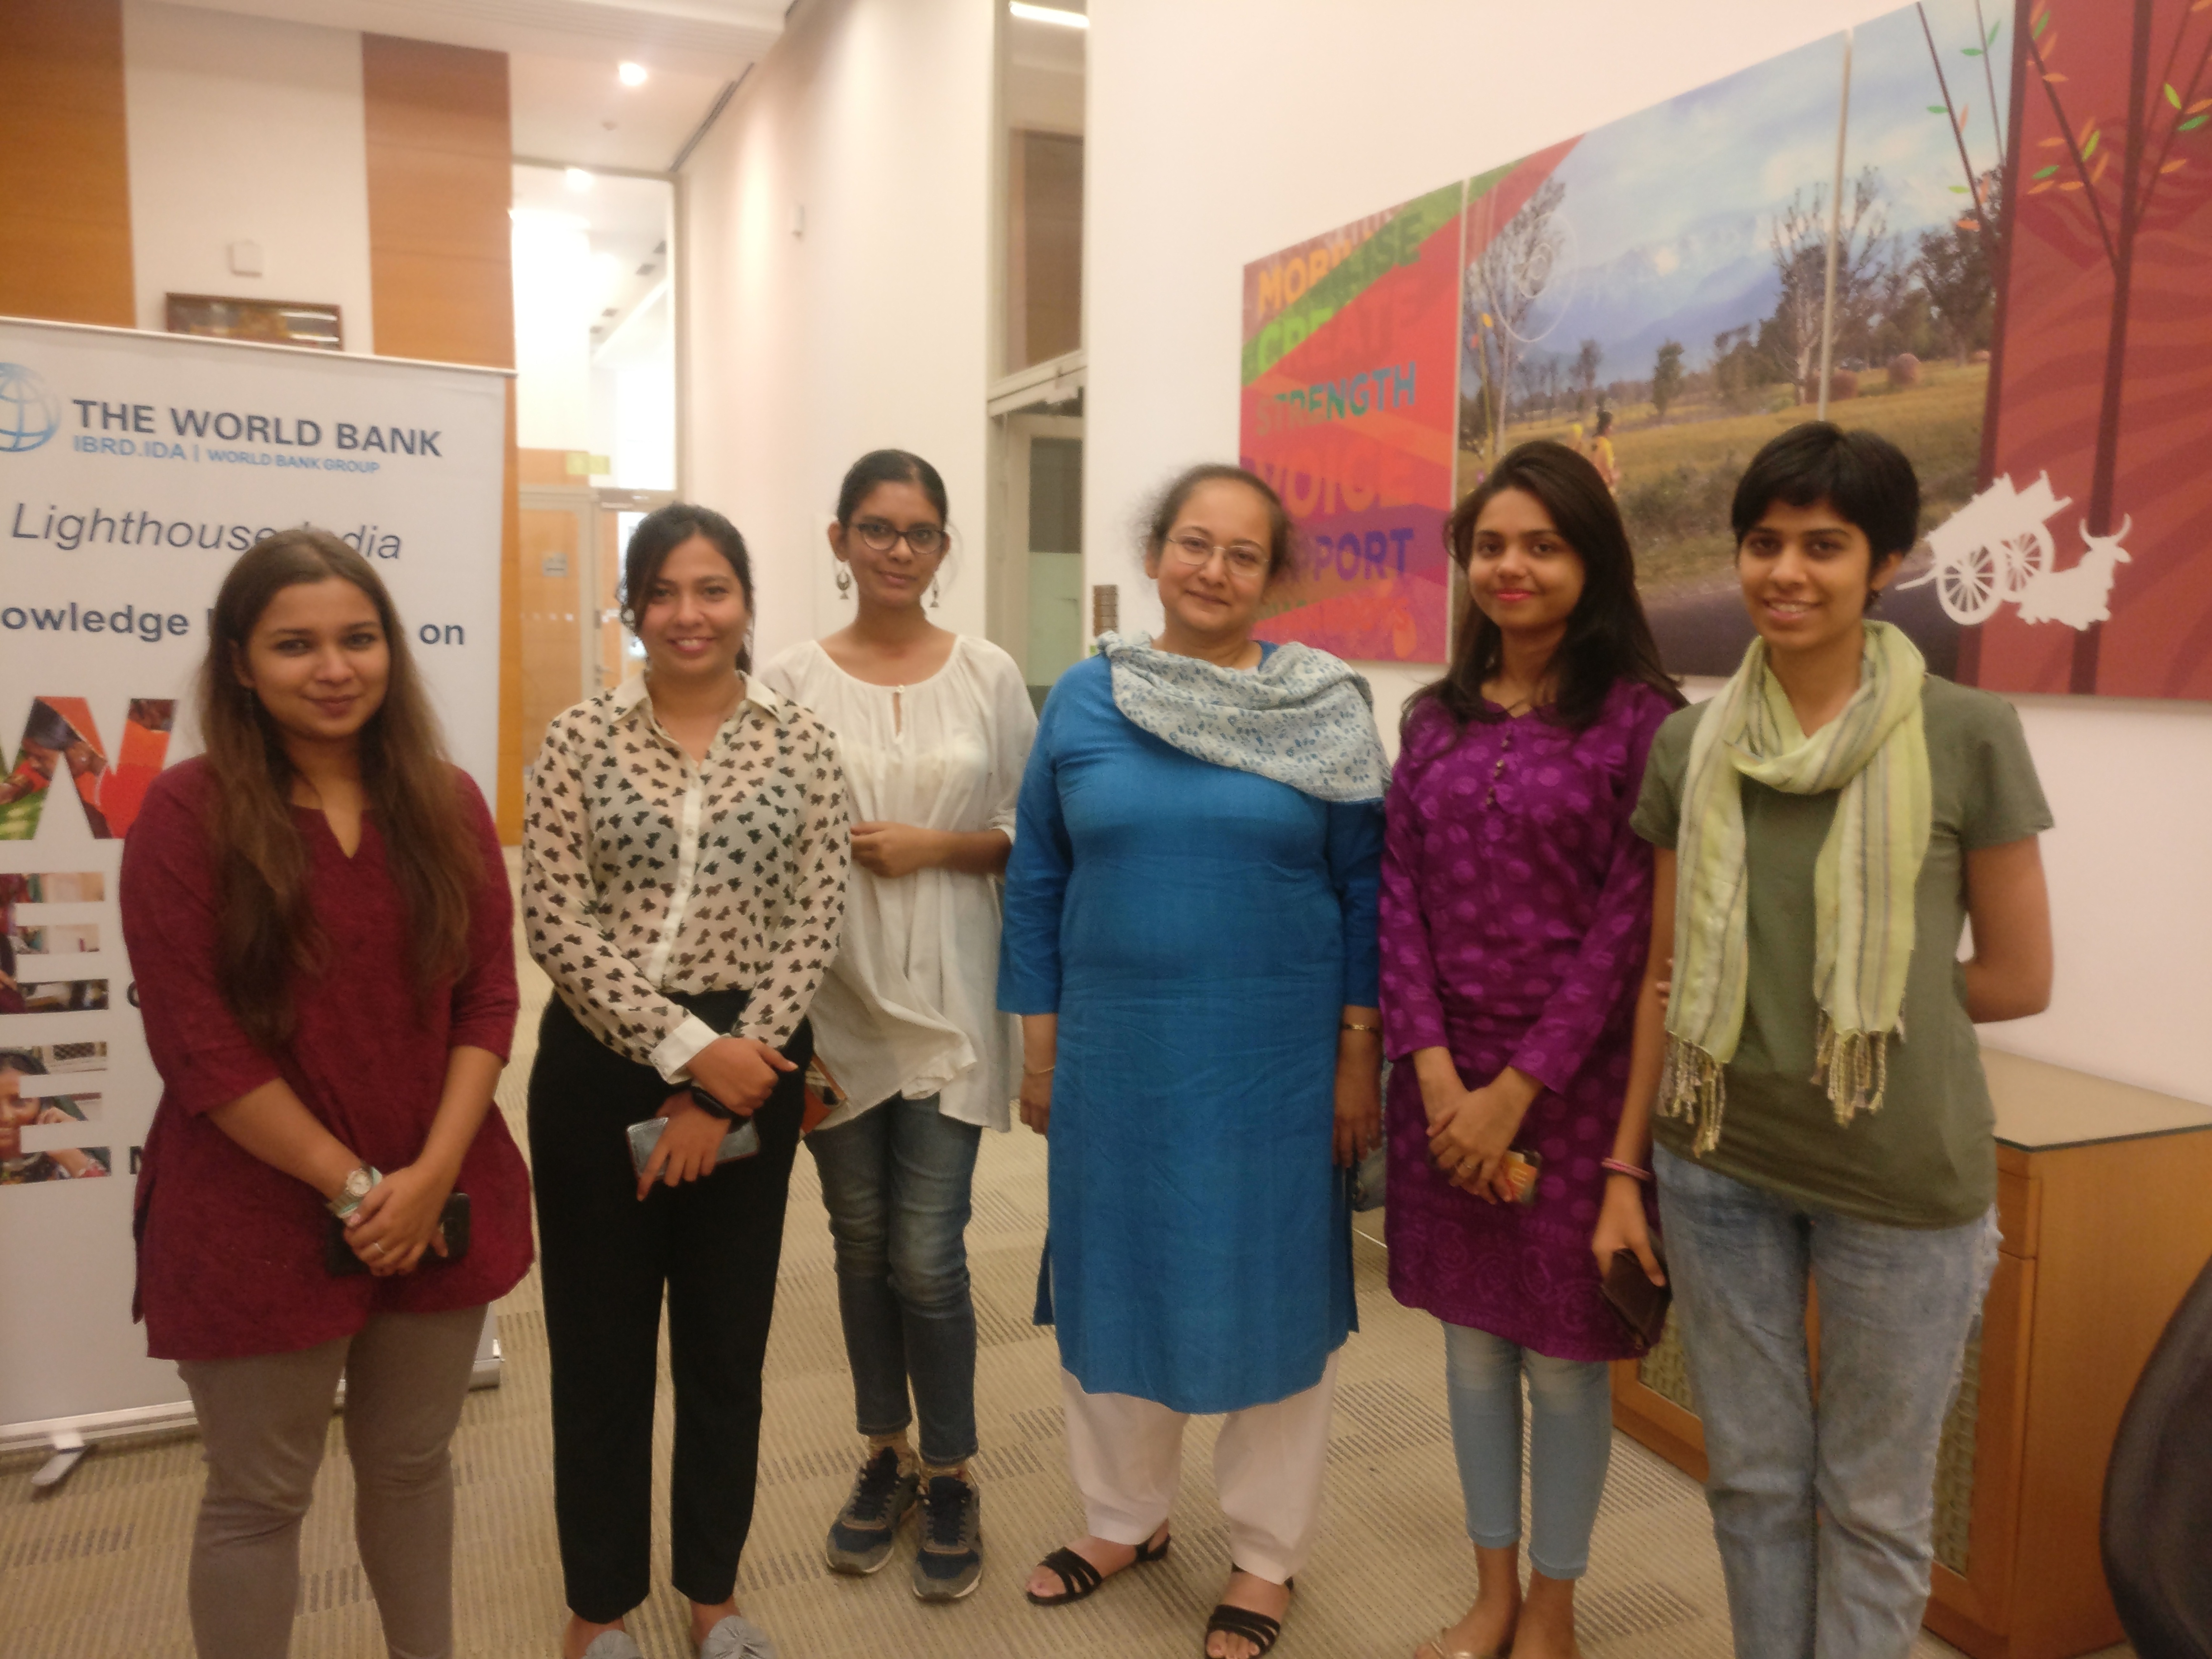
{"points": [[2094, 568], [1658, 297], [2018, 299], [1349, 409]]}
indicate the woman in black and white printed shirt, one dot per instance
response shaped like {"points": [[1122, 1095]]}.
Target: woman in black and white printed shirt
{"points": [[684, 883]]}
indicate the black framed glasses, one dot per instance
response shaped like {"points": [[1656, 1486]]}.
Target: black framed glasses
{"points": [[926, 539]]}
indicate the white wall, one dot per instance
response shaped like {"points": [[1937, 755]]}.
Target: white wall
{"points": [[245, 130], [870, 328], [1224, 138]]}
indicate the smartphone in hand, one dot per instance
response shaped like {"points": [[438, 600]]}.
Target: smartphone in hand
{"points": [[742, 1141]]}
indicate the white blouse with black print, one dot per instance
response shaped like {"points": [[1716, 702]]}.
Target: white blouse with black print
{"points": [[645, 874]]}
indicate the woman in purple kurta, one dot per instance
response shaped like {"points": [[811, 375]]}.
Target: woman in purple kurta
{"points": [[1516, 908]]}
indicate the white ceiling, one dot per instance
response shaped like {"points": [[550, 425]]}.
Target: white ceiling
{"points": [[568, 104]]}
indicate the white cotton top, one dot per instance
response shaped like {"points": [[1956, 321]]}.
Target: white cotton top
{"points": [[910, 1005]]}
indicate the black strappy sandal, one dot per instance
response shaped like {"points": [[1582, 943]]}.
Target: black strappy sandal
{"points": [[1261, 1632], [1082, 1577]]}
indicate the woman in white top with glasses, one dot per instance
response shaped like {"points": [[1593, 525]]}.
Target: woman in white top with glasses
{"points": [[933, 729]]}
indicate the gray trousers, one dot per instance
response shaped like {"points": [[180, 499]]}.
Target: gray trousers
{"points": [[263, 1422]]}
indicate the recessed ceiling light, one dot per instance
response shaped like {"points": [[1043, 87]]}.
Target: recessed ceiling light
{"points": [[1067, 20], [633, 74], [577, 178]]}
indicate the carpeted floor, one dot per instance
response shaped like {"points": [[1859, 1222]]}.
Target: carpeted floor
{"points": [[97, 1568]]}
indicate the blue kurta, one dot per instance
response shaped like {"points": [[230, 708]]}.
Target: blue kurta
{"points": [[1199, 932]]}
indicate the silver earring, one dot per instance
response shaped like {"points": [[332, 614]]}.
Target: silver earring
{"points": [[844, 580], [932, 592]]}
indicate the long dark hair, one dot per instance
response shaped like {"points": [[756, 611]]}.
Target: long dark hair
{"points": [[660, 533], [1608, 638], [268, 933]]}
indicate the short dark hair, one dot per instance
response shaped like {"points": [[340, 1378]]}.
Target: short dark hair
{"points": [[882, 466], [660, 533], [22, 1060], [1608, 638], [1861, 475], [1166, 507]]}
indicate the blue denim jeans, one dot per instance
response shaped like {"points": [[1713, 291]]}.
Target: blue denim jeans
{"points": [[1570, 1444], [896, 1181], [1824, 1507]]}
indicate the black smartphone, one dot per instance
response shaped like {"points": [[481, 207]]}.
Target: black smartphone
{"points": [[1641, 1304], [453, 1222]]}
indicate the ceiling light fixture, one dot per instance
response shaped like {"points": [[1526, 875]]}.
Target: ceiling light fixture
{"points": [[1067, 20], [633, 74], [576, 178]]}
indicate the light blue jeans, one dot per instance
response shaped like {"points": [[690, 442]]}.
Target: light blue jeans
{"points": [[1570, 1444], [1824, 1507]]}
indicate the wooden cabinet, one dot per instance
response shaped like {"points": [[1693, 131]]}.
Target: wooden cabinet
{"points": [[2105, 1201]]}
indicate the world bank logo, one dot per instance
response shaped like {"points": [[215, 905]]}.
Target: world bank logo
{"points": [[29, 414]]}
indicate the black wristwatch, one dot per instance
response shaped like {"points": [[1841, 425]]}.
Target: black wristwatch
{"points": [[713, 1107]]}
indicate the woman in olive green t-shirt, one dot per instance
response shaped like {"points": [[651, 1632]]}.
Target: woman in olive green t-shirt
{"points": [[1823, 828]]}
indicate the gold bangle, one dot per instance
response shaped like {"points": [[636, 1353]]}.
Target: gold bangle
{"points": [[1354, 1025]]}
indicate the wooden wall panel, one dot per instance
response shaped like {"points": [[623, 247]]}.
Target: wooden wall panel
{"points": [[440, 151], [64, 165]]}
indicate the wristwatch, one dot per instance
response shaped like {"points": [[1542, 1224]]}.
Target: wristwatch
{"points": [[707, 1102], [356, 1187]]}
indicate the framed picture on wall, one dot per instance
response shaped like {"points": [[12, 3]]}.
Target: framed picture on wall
{"points": [[273, 322]]}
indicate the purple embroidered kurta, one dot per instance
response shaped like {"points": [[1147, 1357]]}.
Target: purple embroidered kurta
{"points": [[1515, 917]]}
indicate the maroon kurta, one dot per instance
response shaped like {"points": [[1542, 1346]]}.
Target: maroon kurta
{"points": [[1516, 913], [231, 1250]]}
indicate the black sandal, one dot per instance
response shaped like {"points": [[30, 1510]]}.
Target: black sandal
{"points": [[1261, 1632], [1080, 1576]]}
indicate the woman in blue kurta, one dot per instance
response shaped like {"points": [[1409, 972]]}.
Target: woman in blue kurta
{"points": [[1190, 938]]}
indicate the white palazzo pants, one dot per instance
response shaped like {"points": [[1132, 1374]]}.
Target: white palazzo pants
{"points": [[1126, 1455]]}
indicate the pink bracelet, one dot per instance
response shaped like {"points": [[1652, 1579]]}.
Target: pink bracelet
{"points": [[1617, 1166]]}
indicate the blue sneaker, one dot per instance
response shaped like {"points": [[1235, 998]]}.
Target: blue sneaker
{"points": [[949, 1563], [860, 1537]]}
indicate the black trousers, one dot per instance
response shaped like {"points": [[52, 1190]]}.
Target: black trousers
{"points": [[714, 1244]]}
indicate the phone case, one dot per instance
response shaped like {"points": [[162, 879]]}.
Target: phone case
{"points": [[741, 1142], [453, 1221], [1641, 1304], [1521, 1169]]}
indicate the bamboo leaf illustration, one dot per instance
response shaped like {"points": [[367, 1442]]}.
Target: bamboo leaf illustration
{"points": [[2191, 126], [1937, 109], [2171, 96], [2097, 172], [2045, 173], [2175, 165], [1958, 190], [2038, 190], [2089, 144], [2053, 77], [2201, 104], [1970, 51], [1969, 224], [2049, 143], [1994, 27], [2042, 23], [2070, 184]]}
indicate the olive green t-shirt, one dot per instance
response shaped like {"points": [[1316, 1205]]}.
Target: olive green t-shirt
{"points": [[1927, 1158]]}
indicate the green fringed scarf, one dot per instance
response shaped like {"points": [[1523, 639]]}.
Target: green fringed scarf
{"points": [[1875, 753]]}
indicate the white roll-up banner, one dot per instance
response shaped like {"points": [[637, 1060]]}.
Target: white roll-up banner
{"points": [[134, 468]]}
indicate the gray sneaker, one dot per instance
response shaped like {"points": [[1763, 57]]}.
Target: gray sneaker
{"points": [[734, 1638], [950, 1562], [860, 1537], [613, 1644]]}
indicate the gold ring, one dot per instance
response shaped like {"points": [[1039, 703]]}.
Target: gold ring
{"points": [[376, 1246]]}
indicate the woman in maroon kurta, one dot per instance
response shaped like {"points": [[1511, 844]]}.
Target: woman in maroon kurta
{"points": [[342, 1066], [1515, 905]]}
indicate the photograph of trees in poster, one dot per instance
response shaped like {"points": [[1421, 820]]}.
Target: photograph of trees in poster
{"points": [[1979, 228], [1654, 291]]}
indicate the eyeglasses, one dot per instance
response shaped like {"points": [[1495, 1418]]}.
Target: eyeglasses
{"points": [[1192, 551], [878, 537]]}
